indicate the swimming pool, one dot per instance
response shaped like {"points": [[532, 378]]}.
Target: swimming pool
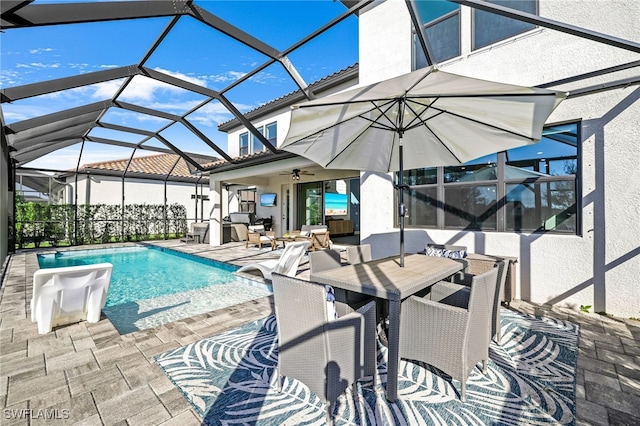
{"points": [[153, 285]]}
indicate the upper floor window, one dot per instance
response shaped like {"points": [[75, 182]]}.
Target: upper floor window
{"points": [[244, 143], [250, 144], [489, 28], [271, 133], [441, 20]]}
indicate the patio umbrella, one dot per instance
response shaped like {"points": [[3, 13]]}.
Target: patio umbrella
{"points": [[425, 118]]}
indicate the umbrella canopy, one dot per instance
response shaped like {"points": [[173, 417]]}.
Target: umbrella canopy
{"points": [[422, 119]]}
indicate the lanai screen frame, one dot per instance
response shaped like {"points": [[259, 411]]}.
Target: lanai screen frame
{"points": [[23, 141]]}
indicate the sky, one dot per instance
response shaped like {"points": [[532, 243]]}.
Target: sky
{"points": [[193, 51]]}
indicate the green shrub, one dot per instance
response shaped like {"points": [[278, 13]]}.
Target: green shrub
{"points": [[40, 223]]}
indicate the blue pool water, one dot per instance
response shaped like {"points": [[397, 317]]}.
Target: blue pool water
{"points": [[141, 273]]}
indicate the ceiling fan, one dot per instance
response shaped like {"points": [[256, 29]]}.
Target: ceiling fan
{"points": [[295, 174]]}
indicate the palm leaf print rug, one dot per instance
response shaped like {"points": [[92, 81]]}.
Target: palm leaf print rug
{"points": [[531, 379]]}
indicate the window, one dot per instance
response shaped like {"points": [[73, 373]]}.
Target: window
{"points": [[244, 143], [271, 133], [250, 144], [256, 145], [247, 200], [528, 189], [441, 21], [489, 28]]}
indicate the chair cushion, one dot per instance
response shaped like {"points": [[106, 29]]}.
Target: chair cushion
{"points": [[331, 303], [440, 252], [258, 228]]}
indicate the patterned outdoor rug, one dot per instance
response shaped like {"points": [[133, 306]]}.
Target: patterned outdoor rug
{"points": [[229, 379]]}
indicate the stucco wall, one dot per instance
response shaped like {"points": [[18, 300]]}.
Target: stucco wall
{"points": [[600, 266], [283, 119], [108, 190]]}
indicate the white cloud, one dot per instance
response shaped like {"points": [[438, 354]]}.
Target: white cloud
{"points": [[106, 89], [42, 66], [214, 113], [15, 112], [195, 80], [9, 78], [228, 76], [40, 50]]}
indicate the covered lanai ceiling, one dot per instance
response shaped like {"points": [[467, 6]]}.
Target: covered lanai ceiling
{"points": [[170, 71]]}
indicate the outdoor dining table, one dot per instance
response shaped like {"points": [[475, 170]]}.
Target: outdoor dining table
{"points": [[385, 279]]}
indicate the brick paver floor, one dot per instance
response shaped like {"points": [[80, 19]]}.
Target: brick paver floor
{"points": [[90, 374]]}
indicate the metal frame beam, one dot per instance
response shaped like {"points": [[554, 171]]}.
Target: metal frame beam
{"points": [[235, 33], [34, 15], [178, 151], [597, 73], [246, 123], [549, 23], [126, 129], [422, 36], [43, 120], [36, 89], [617, 84]]}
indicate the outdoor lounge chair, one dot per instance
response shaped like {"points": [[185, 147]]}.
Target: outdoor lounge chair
{"points": [[286, 264], [69, 294], [317, 235], [441, 333], [318, 239], [324, 353], [258, 236]]}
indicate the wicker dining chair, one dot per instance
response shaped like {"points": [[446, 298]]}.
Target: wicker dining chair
{"points": [[451, 338], [327, 355], [476, 266], [358, 254]]}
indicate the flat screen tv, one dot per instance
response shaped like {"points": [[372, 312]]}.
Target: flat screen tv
{"points": [[267, 200]]}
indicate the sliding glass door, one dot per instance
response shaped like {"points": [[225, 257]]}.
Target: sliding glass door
{"points": [[310, 204]]}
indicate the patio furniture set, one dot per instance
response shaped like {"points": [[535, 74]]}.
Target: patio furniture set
{"points": [[438, 309], [316, 235]]}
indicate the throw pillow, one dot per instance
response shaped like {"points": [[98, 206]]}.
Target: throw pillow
{"points": [[331, 303], [451, 254]]}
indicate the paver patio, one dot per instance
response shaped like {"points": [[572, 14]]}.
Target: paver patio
{"points": [[90, 374]]}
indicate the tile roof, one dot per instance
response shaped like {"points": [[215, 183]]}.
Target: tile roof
{"points": [[160, 164], [346, 74]]}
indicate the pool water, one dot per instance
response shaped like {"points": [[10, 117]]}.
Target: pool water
{"points": [[151, 286], [143, 273]]}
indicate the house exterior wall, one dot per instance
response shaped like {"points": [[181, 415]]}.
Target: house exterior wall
{"points": [[108, 190], [598, 267], [283, 118]]}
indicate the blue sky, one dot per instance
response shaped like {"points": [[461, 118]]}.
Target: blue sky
{"points": [[192, 51]]}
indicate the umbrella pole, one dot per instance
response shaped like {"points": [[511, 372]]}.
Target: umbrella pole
{"points": [[401, 209]]}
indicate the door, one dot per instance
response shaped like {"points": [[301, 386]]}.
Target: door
{"points": [[285, 210], [310, 203]]}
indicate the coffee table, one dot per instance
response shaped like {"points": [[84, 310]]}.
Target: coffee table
{"points": [[285, 240]]}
